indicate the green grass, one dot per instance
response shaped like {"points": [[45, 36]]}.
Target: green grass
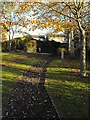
{"points": [[13, 65], [68, 91]]}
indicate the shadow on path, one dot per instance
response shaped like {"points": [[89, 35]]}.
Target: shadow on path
{"points": [[29, 98]]}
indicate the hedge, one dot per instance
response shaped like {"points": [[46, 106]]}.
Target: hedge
{"points": [[16, 44]]}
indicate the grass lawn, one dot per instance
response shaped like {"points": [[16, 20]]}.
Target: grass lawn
{"points": [[67, 90], [14, 64]]}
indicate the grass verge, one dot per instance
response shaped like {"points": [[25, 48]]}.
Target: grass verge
{"points": [[67, 90]]}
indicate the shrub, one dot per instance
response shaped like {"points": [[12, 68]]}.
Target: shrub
{"points": [[5, 46], [17, 44]]}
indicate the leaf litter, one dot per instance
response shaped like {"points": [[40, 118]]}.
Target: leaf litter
{"points": [[29, 98]]}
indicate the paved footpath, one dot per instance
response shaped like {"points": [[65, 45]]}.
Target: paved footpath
{"points": [[29, 98]]}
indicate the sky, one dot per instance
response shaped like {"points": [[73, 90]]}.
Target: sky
{"points": [[38, 32], [35, 32]]}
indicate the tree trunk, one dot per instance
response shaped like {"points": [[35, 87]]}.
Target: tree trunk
{"points": [[9, 42], [82, 52], [71, 43]]}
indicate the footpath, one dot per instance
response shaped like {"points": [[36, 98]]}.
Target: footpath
{"points": [[29, 98]]}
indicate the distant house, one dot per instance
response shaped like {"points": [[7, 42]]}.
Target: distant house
{"points": [[46, 44], [34, 46], [31, 46]]}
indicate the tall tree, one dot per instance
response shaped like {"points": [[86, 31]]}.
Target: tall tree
{"points": [[11, 19], [79, 10], [52, 16]]}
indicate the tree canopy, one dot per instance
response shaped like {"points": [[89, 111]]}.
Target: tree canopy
{"points": [[56, 15]]}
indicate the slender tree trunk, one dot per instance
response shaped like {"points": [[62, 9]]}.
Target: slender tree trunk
{"points": [[82, 51], [10, 39], [9, 42], [69, 46], [71, 43]]}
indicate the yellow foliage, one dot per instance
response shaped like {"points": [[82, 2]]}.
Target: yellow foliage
{"points": [[14, 23], [2, 24], [23, 23], [8, 24], [31, 6], [41, 8], [59, 28], [34, 21], [60, 22], [47, 24], [66, 25]]}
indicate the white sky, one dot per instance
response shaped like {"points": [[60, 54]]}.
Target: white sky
{"points": [[35, 32]]}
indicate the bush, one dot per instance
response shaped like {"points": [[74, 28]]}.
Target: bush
{"points": [[17, 44], [5, 46]]}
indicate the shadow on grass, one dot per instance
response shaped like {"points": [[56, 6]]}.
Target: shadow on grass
{"points": [[67, 76], [25, 58], [68, 63], [10, 72], [70, 97], [68, 91]]}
